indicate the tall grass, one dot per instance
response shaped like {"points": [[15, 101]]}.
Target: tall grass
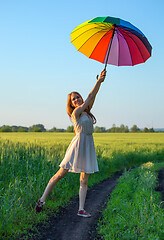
{"points": [[134, 211], [27, 161]]}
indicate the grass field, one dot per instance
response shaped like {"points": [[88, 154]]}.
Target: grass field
{"points": [[28, 160]]}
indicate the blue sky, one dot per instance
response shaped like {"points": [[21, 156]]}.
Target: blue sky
{"points": [[39, 66]]}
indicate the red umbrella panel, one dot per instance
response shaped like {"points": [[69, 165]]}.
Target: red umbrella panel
{"points": [[111, 41]]}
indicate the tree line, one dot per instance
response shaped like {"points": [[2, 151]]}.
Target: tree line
{"points": [[122, 129], [41, 128]]}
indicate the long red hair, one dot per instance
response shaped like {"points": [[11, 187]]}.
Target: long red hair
{"points": [[70, 107]]}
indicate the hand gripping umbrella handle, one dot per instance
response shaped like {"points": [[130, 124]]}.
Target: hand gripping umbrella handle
{"points": [[98, 75]]}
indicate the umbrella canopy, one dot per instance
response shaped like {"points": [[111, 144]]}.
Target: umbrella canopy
{"points": [[111, 41]]}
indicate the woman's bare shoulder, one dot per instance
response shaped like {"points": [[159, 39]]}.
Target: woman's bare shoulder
{"points": [[76, 114]]}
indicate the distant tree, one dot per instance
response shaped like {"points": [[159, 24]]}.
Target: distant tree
{"points": [[37, 128], [99, 129], [14, 128], [21, 129], [6, 129], [70, 129], [126, 129], [135, 129], [108, 130], [151, 130], [103, 129], [30, 129], [53, 129], [41, 126], [122, 128], [60, 130], [146, 130], [113, 129]]}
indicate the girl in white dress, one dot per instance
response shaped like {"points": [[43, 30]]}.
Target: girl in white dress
{"points": [[80, 156]]}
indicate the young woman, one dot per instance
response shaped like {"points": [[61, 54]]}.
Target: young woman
{"points": [[80, 156]]}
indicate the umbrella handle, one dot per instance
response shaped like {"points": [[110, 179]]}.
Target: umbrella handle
{"points": [[110, 46]]}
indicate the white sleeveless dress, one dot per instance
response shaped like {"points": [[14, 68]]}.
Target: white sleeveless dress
{"points": [[80, 155]]}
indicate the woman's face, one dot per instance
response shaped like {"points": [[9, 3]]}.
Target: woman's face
{"points": [[76, 100]]}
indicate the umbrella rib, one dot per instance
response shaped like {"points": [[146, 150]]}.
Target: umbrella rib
{"points": [[96, 23], [103, 28], [121, 35], [134, 43], [117, 32], [85, 32], [98, 41], [138, 49]]}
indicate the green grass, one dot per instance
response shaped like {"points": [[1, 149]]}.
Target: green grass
{"points": [[134, 209], [28, 160]]}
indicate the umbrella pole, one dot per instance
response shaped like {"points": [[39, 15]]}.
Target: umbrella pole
{"points": [[109, 48]]}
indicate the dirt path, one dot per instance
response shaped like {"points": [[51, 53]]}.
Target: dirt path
{"points": [[68, 226]]}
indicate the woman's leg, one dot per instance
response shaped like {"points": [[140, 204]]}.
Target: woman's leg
{"points": [[83, 189], [53, 181]]}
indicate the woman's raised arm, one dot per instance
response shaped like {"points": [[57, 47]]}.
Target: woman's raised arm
{"points": [[91, 97]]}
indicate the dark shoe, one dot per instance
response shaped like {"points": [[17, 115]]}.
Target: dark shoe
{"points": [[39, 206]]}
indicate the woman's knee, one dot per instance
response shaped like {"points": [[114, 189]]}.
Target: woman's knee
{"points": [[61, 173], [84, 179]]}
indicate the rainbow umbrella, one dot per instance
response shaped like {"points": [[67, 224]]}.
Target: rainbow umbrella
{"points": [[111, 41]]}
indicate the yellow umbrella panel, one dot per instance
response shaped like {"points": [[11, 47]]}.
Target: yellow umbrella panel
{"points": [[87, 36]]}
